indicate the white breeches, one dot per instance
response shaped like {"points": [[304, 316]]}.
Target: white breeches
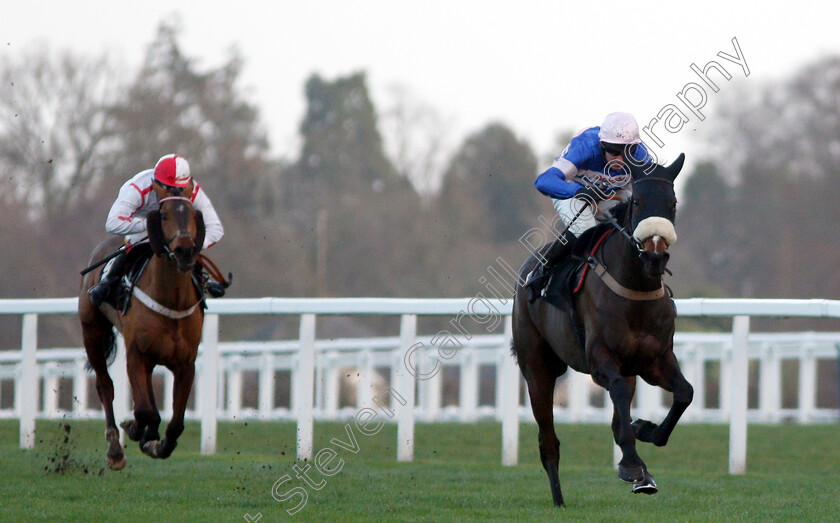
{"points": [[568, 208]]}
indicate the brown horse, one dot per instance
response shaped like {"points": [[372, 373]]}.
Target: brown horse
{"points": [[162, 326], [625, 321]]}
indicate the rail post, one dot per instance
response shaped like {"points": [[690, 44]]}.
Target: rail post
{"points": [[29, 380], [738, 395], [407, 383], [209, 383], [305, 387], [510, 405]]}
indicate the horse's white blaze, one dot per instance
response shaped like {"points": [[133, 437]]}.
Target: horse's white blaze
{"points": [[655, 226], [657, 240]]}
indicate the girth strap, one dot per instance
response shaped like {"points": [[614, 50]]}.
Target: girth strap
{"points": [[622, 291], [147, 300]]}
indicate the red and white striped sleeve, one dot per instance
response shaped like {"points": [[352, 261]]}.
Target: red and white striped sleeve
{"points": [[123, 218], [213, 230]]}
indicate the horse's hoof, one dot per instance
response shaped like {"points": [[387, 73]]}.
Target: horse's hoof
{"points": [[646, 486], [116, 464], [643, 429], [631, 474], [128, 426], [152, 449]]}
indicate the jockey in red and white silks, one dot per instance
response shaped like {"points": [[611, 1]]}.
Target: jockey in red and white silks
{"points": [[136, 198], [139, 196]]}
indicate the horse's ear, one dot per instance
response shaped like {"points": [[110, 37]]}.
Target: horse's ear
{"points": [[155, 231], [676, 166], [199, 231]]}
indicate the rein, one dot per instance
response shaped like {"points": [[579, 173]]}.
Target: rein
{"points": [[619, 228], [600, 269]]}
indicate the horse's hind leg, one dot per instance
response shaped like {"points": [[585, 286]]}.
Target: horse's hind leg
{"points": [[541, 380], [665, 374], [98, 339], [184, 377]]}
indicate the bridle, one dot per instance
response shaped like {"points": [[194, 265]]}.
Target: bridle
{"points": [[600, 270], [611, 219], [179, 234]]}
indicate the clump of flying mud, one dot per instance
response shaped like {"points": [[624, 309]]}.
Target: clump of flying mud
{"points": [[61, 460]]}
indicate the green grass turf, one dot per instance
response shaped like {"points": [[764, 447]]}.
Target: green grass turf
{"points": [[792, 475]]}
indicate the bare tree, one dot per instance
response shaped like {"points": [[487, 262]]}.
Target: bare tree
{"points": [[204, 115], [416, 140], [791, 126], [761, 220], [54, 128]]}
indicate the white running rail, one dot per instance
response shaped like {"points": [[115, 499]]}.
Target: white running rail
{"points": [[388, 370]]}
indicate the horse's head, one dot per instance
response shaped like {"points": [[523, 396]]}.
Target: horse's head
{"points": [[176, 229], [653, 208]]}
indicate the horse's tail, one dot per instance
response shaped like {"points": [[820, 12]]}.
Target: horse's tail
{"points": [[108, 348], [514, 352]]}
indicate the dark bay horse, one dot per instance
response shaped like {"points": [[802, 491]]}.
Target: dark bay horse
{"points": [[626, 322], [162, 326]]}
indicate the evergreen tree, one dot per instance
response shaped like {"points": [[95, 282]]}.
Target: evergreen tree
{"points": [[488, 189]]}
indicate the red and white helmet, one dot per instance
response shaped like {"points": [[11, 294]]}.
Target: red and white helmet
{"points": [[619, 128], [172, 170]]}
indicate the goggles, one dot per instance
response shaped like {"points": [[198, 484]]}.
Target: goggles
{"points": [[616, 149]]}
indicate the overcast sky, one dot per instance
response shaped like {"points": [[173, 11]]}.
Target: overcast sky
{"points": [[540, 67]]}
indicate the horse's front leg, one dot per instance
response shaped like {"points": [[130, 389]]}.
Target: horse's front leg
{"points": [[605, 373], [665, 373], [184, 376], [144, 426], [616, 419]]}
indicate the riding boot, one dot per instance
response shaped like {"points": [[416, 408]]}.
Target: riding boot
{"points": [[208, 284], [556, 252], [111, 274], [214, 288]]}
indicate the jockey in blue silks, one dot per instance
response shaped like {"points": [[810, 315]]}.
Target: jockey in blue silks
{"points": [[588, 178]]}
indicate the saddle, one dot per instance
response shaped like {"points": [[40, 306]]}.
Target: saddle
{"points": [[567, 278]]}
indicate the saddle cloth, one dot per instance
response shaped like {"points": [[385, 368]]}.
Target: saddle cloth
{"points": [[567, 277]]}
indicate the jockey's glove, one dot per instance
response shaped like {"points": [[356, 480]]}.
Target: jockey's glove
{"points": [[592, 194]]}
